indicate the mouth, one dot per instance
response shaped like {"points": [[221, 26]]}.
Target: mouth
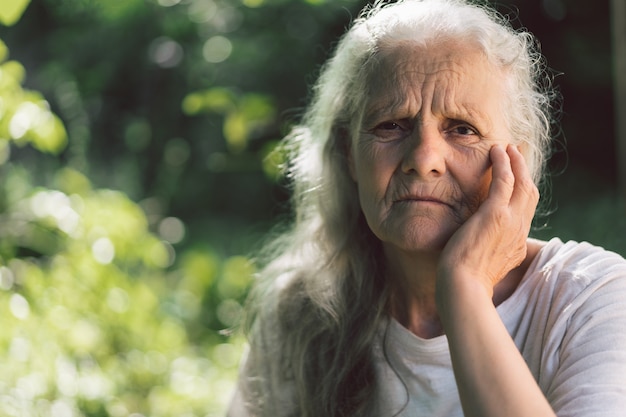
{"points": [[421, 200]]}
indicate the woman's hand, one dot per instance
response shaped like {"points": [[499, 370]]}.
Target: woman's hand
{"points": [[492, 376], [492, 241]]}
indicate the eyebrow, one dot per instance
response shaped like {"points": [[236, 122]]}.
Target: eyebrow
{"points": [[375, 108], [474, 115]]}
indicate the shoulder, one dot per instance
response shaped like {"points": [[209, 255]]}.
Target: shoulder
{"points": [[578, 263], [576, 278], [578, 296]]}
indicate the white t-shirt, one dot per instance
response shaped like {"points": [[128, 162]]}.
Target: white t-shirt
{"points": [[567, 317]]}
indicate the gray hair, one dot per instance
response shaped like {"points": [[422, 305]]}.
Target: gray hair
{"points": [[326, 272]]}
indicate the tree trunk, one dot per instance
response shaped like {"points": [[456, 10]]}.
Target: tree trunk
{"points": [[618, 19]]}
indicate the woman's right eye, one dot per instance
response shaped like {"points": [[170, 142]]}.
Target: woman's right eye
{"points": [[389, 126], [390, 130]]}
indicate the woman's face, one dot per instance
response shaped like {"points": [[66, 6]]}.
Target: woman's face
{"points": [[421, 157]]}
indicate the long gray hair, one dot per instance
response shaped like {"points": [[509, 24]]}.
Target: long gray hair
{"points": [[325, 273]]}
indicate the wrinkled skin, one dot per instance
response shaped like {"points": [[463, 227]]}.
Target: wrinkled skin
{"points": [[421, 159]]}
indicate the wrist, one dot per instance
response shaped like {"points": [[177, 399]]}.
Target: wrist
{"points": [[457, 291]]}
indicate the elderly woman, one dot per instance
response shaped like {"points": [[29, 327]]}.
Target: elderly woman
{"points": [[407, 284]]}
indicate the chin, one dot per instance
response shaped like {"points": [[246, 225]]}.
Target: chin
{"points": [[418, 234], [421, 240], [434, 246]]}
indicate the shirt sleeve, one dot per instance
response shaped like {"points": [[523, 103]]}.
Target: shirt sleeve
{"points": [[590, 379]]}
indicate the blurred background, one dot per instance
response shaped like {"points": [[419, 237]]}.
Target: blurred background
{"points": [[139, 173]]}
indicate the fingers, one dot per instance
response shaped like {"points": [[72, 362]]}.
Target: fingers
{"points": [[525, 191], [503, 179], [512, 188]]}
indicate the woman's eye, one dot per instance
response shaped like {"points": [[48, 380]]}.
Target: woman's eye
{"points": [[464, 130], [389, 126], [391, 130]]}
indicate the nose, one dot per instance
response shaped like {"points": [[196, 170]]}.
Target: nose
{"points": [[425, 153]]}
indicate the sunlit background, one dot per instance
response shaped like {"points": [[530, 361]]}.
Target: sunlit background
{"points": [[139, 173]]}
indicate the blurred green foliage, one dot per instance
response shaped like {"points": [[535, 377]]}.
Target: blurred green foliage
{"points": [[96, 318], [139, 167], [11, 11], [26, 115], [122, 267]]}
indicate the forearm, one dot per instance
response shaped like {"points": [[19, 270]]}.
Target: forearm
{"points": [[492, 376]]}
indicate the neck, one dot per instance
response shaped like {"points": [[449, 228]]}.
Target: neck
{"points": [[413, 278]]}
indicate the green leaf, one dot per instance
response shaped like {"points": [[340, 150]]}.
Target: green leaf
{"points": [[236, 276], [257, 107], [12, 10], [253, 4], [219, 100], [49, 134], [200, 268], [192, 104], [14, 70], [215, 100], [4, 51], [71, 181], [236, 132]]}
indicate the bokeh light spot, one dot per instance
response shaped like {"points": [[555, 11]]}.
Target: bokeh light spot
{"points": [[19, 349], [165, 52], [172, 229], [176, 152], [201, 11], [56, 205], [161, 254], [7, 279], [103, 250], [25, 118], [229, 312], [19, 307], [217, 49], [168, 3], [227, 19], [118, 300], [138, 134]]}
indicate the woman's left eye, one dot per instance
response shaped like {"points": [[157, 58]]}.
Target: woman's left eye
{"points": [[464, 130]]}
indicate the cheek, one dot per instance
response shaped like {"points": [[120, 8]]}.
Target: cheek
{"points": [[473, 173], [373, 171], [371, 184], [474, 161], [372, 166]]}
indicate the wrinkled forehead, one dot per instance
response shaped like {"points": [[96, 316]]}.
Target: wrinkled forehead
{"points": [[459, 71]]}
